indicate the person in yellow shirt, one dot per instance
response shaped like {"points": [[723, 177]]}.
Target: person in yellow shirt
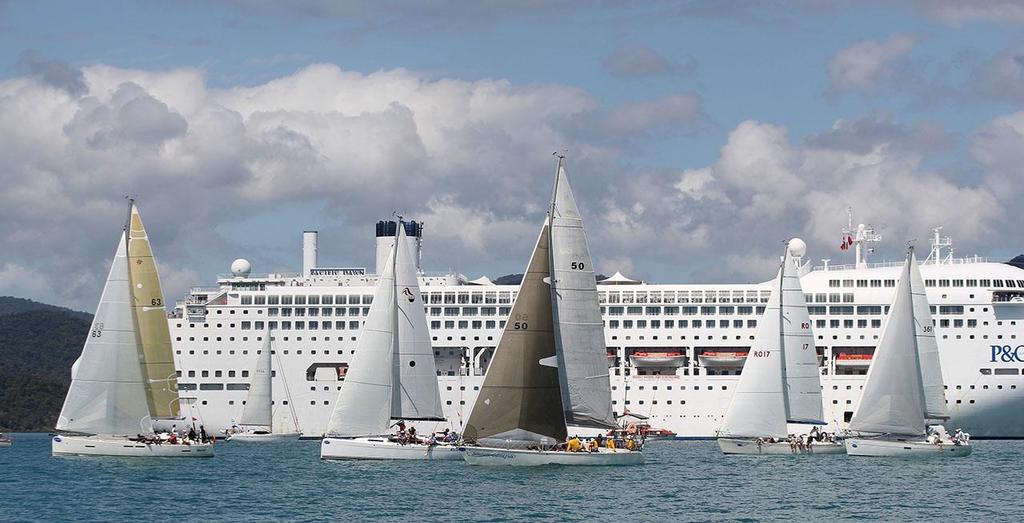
{"points": [[611, 443], [631, 443], [574, 444]]}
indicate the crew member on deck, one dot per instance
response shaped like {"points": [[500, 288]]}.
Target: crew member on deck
{"points": [[574, 444]]}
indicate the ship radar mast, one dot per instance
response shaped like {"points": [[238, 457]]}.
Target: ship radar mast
{"points": [[858, 237], [938, 243]]}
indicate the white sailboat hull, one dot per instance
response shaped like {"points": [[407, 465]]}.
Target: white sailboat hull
{"points": [[750, 447], [112, 446], [381, 448], [5, 443], [264, 436], [903, 448], [533, 458]]}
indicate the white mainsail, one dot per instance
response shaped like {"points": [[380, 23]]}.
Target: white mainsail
{"points": [[803, 383], [363, 406], [893, 399], [258, 410], [107, 394], [416, 396], [579, 329], [758, 407], [927, 348]]}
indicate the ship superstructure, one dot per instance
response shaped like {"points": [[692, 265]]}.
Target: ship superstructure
{"points": [[675, 350]]}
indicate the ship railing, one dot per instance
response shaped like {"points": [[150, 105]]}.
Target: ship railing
{"points": [[877, 265], [269, 276]]}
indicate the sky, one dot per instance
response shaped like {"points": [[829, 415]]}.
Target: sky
{"points": [[698, 135]]}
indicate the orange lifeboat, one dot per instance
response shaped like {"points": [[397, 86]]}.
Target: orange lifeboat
{"points": [[658, 359], [853, 361], [722, 358]]}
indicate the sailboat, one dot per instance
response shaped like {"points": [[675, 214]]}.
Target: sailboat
{"points": [[392, 375], [5, 440], [904, 388], [125, 381], [779, 384], [549, 370], [256, 422]]}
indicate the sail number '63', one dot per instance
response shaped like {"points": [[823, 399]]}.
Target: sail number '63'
{"points": [[520, 323]]}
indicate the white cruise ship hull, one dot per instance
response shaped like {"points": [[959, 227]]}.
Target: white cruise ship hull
{"points": [[901, 448], [267, 437], [123, 447], [534, 458], [381, 448], [752, 448]]}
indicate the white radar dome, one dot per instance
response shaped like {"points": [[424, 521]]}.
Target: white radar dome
{"points": [[797, 248], [241, 268]]}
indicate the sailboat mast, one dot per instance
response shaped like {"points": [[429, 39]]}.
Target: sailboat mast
{"points": [[395, 338], [914, 320], [782, 333]]}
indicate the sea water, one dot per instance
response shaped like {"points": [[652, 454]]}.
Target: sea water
{"points": [[682, 480]]}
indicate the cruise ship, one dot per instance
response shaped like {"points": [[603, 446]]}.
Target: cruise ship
{"points": [[674, 350]]}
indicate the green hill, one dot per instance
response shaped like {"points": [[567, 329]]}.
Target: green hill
{"points": [[38, 345]]}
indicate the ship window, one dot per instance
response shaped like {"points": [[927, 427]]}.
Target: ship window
{"points": [[816, 310], [890, 283], [833, 283], [997, 283], [1006, 372], [237, 386], [833, 297], [862, 283], [211, 386], [819, 324], [929, 283], [463, 297], [245, 374], [260, 300], [943, 283], [367, 299], [187, 386], [300, 300]]}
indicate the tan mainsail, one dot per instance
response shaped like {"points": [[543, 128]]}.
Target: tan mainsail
{"points": [[154, 338], [520, 403]]}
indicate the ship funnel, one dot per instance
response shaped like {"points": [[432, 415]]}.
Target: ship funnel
{"points": [[386, 232], [309, 240]]}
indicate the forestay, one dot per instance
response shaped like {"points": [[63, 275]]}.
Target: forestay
{"points": [[258, 410], [893, 398], [803, 383], [519, 403], [153, 333], [107, 395], [416, 395], [927, 348], [578, 326]]}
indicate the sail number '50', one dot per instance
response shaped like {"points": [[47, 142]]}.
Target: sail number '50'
{"points": [[577, 266]]}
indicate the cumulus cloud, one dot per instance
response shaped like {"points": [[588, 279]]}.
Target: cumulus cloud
{"points": [[771, 188], [53, 72], [472, 159], [863, 66], [632, 60]]}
